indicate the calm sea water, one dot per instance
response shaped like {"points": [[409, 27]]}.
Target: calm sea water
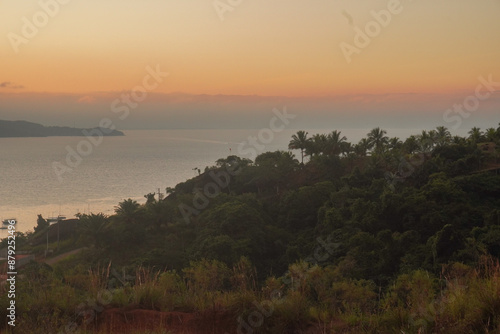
{"points": [[119, 168]]}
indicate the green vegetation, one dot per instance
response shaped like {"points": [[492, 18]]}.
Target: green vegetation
{"points": [[382, 236]]}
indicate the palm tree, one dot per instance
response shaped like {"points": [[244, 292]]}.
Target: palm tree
{"points": [[443, 136], [395, 143], [346, 148], [334, 143], [362, 147], [94, 226], [299, 142], [316, 145], [491, 135], [411, 145], [127, 210], [475, 135], [377, 139], [425, 141], [458, 140], [433, 137]]}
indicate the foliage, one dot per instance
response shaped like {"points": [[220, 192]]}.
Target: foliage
{"points": [[380, 236]]}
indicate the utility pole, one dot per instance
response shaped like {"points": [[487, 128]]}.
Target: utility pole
{"points": [[160, 195], [58, 234]]}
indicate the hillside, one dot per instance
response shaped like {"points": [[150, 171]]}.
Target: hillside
{"points": [[382, 236], [28, 129]]}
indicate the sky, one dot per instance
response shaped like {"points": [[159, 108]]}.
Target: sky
{"points": [[333, 63]]}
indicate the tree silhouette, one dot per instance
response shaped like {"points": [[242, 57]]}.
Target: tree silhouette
{"points": [[299, 142], [317, 145], [425, 141], [443, 136], [362, 147], [150, 198], [491, 134], [394, 143], [475, 135], [411, 145], [93, 226], [128, 210], [41, 224], [335, 141], [377, 139]]}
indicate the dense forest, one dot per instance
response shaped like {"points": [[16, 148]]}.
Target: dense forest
{"points": [[381, 236]]}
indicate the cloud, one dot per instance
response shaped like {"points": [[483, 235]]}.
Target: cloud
{"points": [[10, 85], [86, 100]]}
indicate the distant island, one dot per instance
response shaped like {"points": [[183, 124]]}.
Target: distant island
{"points": [[28, 129]]}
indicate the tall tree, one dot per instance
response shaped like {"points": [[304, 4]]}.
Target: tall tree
{"points": [[41, 224], [443, 136], [128, 210], [475, 135], [150, 198], [411, 145], [317, 145], [299, 142], [94, 226], [346, 148], [394, 143], [491, 134], [426, 141], [362, 147], [334, 143], [377, 139], [458, 140]]}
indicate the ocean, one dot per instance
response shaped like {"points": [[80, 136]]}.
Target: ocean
{"points": [[118, 168]]}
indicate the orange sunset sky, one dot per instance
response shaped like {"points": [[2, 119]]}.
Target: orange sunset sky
{"points": [[256, 55]]}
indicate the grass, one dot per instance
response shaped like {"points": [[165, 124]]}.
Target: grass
{"points": [[461, 300]]}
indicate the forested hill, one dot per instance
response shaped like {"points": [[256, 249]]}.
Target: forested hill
{"points": [[380, 236], [28, 129]]}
